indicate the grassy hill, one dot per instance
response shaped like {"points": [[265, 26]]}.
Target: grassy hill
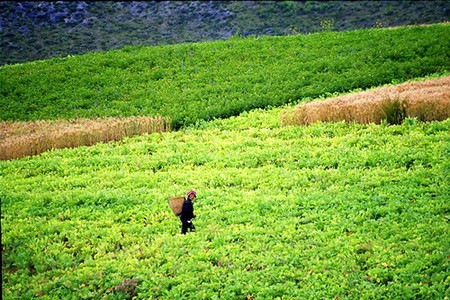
{"points": [[203, 81], [38, 30], [322, 211]]}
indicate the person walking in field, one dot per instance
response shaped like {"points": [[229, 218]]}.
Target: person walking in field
{"points": [[187, 214]]}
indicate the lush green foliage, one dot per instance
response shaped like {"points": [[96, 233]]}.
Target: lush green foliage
{"points": [[191, 82], [317, 212], [39, 30]]}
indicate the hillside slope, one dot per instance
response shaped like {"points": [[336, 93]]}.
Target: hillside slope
{"points": [[39, 30], [425, 100], [322, 211], [203, 81]]}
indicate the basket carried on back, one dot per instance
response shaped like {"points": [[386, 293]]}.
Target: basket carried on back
{"points": [[176, 204]]}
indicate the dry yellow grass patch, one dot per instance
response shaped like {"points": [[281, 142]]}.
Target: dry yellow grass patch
{"points": [[425, 100], [19, 139]]}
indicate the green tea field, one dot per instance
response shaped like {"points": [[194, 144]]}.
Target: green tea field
{"points": [[337, 210], [203, 81], [324, 211]]}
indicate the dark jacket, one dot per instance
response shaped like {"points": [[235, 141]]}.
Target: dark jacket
{"points": [[188, 210]]}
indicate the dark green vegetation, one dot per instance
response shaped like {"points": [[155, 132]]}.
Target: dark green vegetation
{"points": [[203, 81], [323, 211], [39, 30]]}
